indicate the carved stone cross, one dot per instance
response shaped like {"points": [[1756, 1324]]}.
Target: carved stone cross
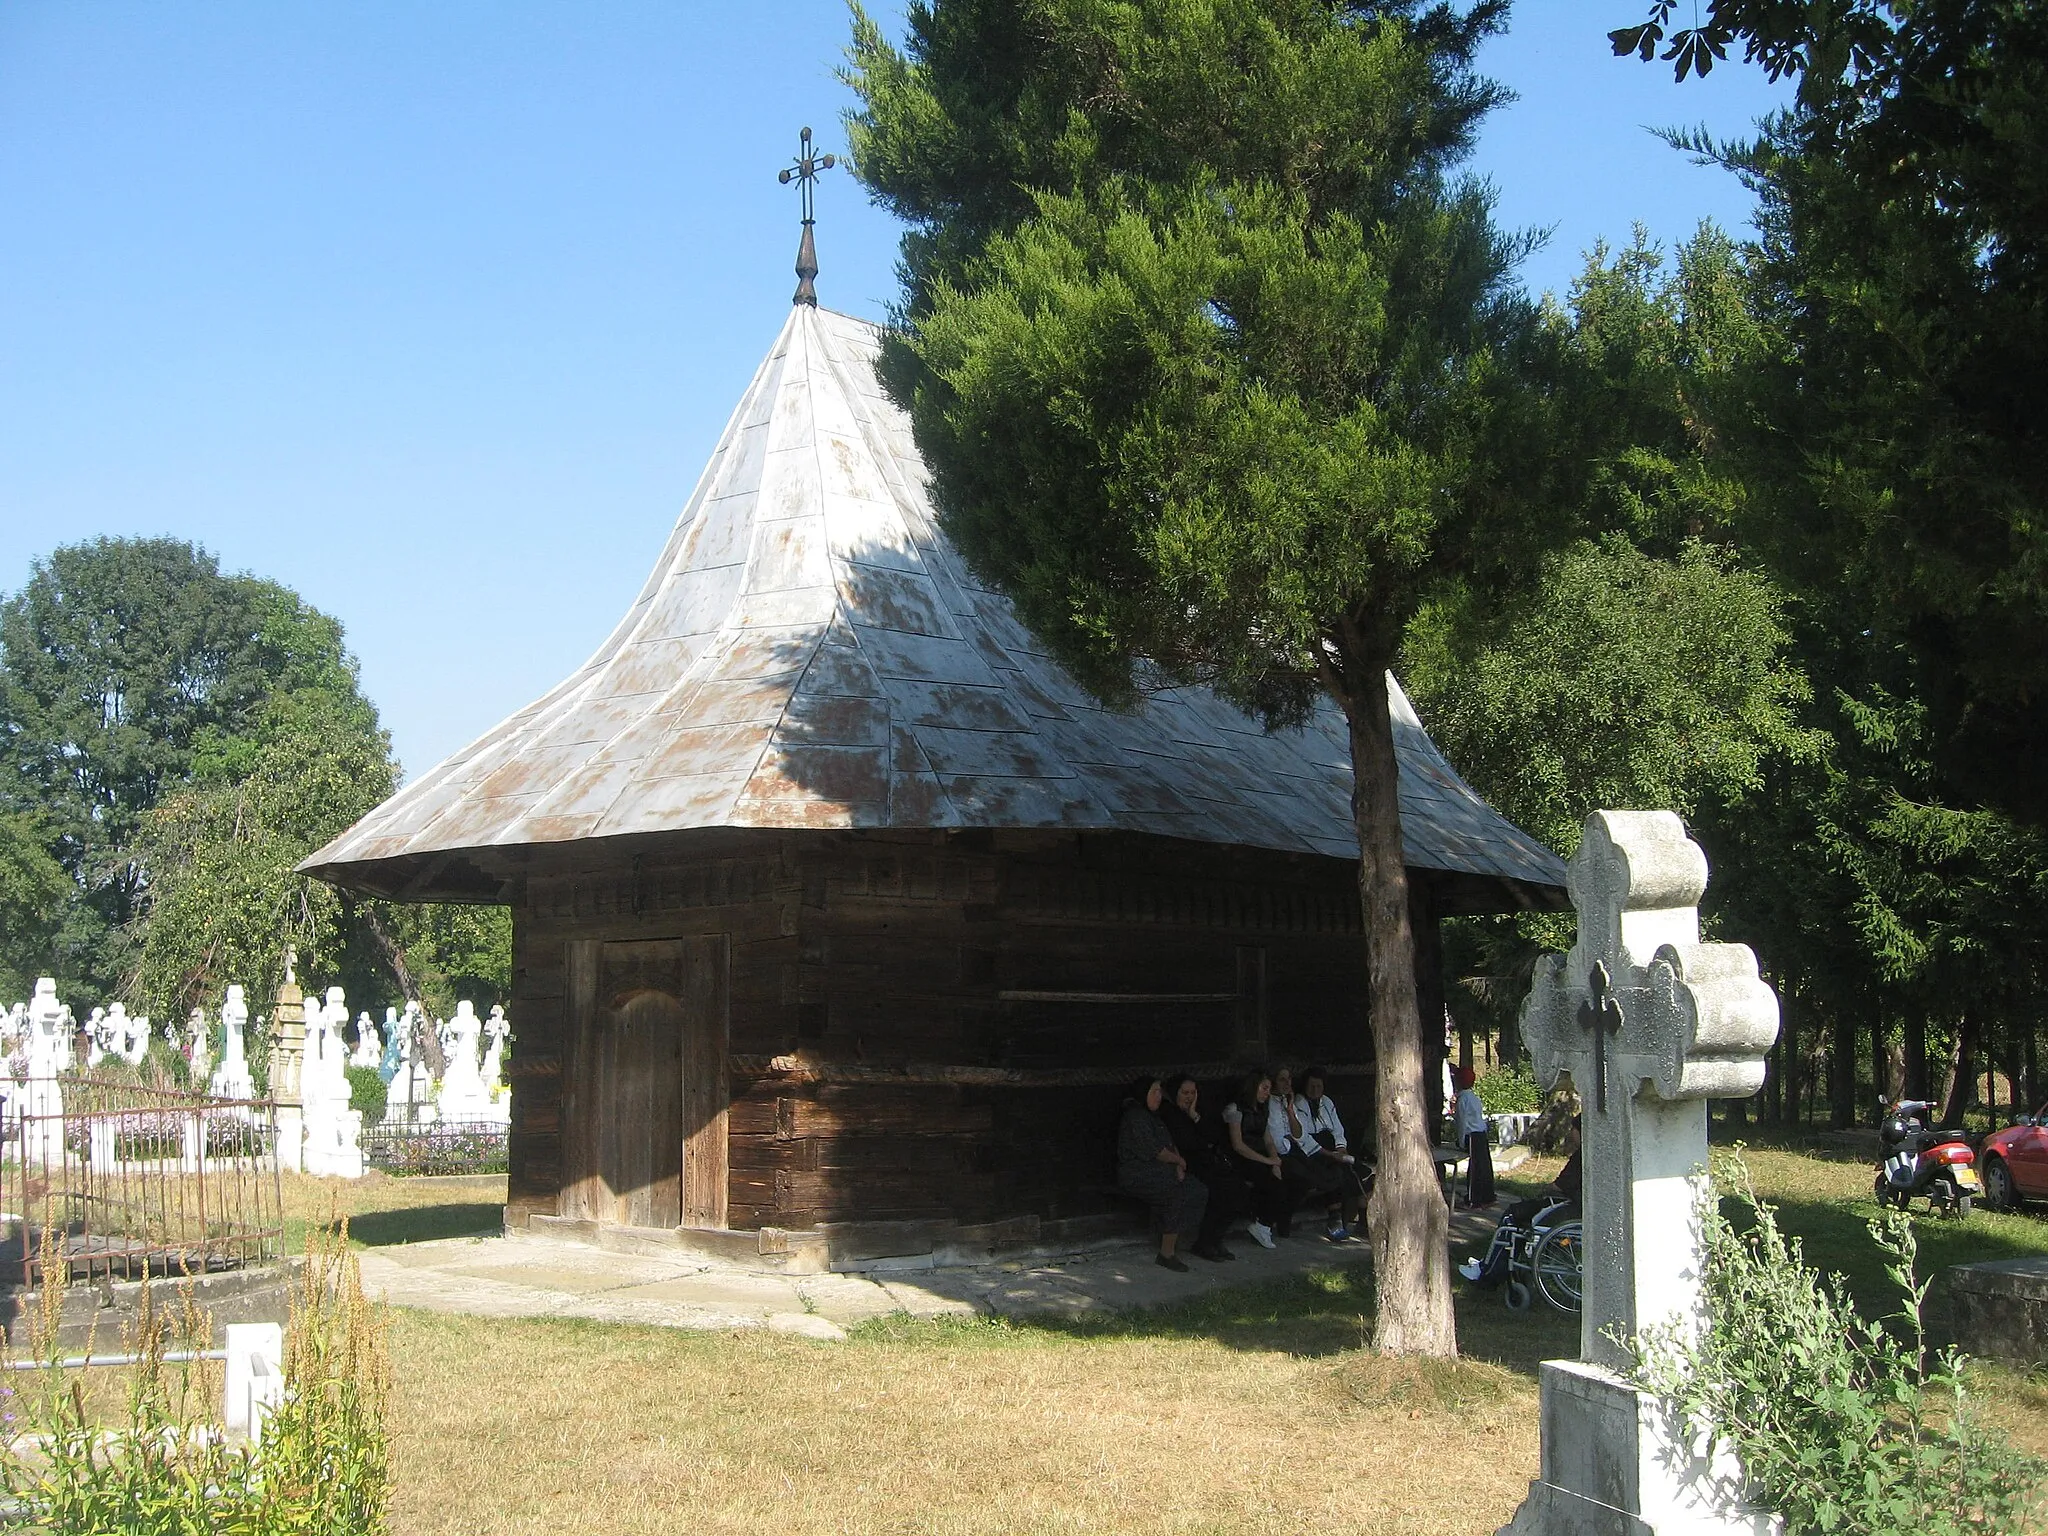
{"points": [[1649, 1023]]}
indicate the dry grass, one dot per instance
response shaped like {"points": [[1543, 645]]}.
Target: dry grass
{"points": [[383, 1210], [547, 1428], [1251, 1411]]}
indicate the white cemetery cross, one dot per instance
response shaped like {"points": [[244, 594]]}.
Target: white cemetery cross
{"points": [[1650, 1023], [200, 1050], [232, 1080], [98, 1036], [332, 1129], [134, 1044], [49, 1038], [497, 1027], [463, 1096], [369, 1049]]}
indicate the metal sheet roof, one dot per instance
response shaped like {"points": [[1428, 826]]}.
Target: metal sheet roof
{"points": [[810, 651]]}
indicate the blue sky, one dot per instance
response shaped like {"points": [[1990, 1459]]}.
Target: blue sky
{"points": [[433, 312]]}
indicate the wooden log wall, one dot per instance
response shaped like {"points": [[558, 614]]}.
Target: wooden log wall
{"points": [[938, 1025]]}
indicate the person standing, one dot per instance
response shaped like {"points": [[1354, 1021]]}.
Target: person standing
{"points": [[1471, 1130]]}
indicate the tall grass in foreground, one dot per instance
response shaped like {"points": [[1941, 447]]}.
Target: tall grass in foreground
{"points": [[1846, 1426], [160, 1465]]}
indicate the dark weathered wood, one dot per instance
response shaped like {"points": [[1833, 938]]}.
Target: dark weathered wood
{"points": [[706, 1083], [928, 1028]]}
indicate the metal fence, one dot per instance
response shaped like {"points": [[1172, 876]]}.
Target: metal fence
{"points": [[121, 1180], [443, 1147]]}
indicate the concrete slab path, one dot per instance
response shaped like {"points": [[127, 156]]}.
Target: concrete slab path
{"points": [[533, 1277]]}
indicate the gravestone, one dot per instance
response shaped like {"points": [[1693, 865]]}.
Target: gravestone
{"points": [[1649, 1023], [232, 1080]]}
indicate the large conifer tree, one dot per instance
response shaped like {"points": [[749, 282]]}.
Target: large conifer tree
{"points": [[1218, 370]]}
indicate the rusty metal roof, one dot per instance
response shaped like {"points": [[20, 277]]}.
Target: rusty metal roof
{"points": [[811, 651]]}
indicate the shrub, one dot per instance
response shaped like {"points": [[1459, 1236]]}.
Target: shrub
{"points": [[163, 1470], [368, 1093], [1843, 1426], [1509, 1091]]}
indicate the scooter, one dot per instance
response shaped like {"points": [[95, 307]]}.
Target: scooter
{"points": [[1918, 1161]]}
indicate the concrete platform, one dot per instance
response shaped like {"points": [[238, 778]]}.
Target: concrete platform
{"points": [[529, 1276]]}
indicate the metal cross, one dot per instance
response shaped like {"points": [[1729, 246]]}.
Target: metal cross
{"points": [[1602, 1015], [804, 172]]}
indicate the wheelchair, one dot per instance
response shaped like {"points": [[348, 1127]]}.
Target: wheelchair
{"points": [[1545, 1257]]}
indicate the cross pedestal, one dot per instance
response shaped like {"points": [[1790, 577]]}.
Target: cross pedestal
{"points": [[1649, 1023]]}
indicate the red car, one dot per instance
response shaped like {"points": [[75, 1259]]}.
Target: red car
{"points": [[2014, 1163]]}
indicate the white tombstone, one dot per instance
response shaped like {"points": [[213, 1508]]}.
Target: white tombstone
{"points": [[133, 1044], [200, 1051], [1650, 1023], [369, 1051], [232, 1080], [99, 1037], [255, 1377], [332, 1130], [496, 1028], [42, 1100], [463, 1095]]}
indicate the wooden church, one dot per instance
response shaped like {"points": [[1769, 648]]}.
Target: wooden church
{"points": [[840, 912]]}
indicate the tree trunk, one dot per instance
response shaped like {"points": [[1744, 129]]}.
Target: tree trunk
{"points": [[1959, 1083], [1792, 1059], [1880, 1060], [1843, 1077], [2032, 1099], [1913, 1081], [1408, 1221]]}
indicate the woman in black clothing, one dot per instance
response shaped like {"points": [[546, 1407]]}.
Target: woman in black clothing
{"points": [[1199, 1140], [1244, 1122], [1148, 1166]]}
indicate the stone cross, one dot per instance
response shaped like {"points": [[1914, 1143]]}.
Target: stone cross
{"points": [[1649, 1023]]}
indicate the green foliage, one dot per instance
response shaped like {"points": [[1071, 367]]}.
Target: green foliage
{"points": [[368, 1094], [1509, 1091], [33, 893], [225, 900], [1215, 369], [453, 952], [321, 1469], [121, 662], [1625, 681], [1844, 1427], [173, 742], [1891, 434]]}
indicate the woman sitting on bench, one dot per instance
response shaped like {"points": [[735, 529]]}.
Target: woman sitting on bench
{"points": [[1245, 1122], [1148, 1166], [1199, 1140], [1308, 1174]]}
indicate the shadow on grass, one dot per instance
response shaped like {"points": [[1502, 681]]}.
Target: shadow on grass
{"points": [[1322, 1312], [1836, 1237], [424, 1223]]}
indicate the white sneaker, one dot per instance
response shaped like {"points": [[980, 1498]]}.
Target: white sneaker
{"points": [[1261, 1234], [1470, 1269]]}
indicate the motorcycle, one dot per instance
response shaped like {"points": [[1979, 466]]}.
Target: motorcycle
{"points": [[1922, 1161]]}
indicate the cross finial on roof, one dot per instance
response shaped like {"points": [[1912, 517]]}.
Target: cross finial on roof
{"points": [[804, 172]]}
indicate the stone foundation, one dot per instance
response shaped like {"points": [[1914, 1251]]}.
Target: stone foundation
{"points": [[2000, 1310], [102, 1315]]}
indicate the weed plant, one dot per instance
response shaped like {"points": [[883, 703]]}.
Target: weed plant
{"points": [[157, 1464], [1845, 1426]]}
